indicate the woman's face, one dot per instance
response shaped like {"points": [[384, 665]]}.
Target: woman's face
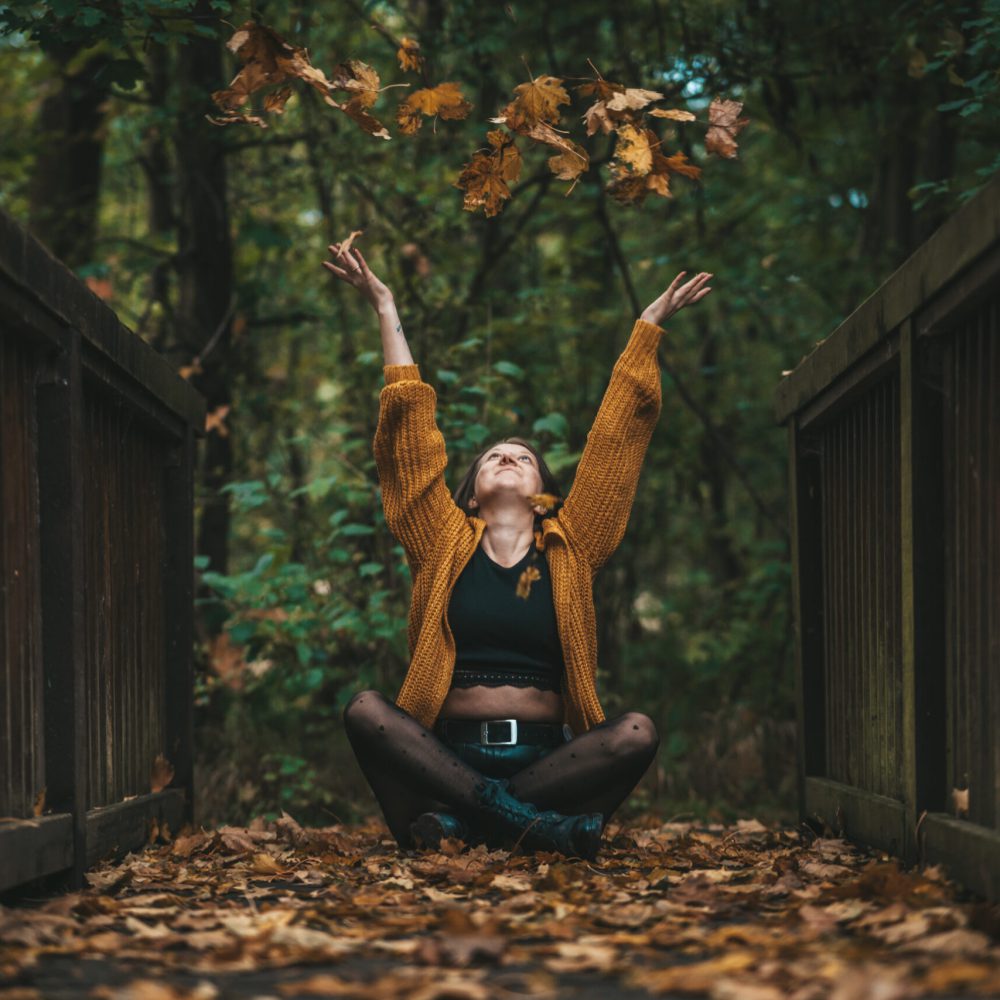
{"points": [[507, 468]]}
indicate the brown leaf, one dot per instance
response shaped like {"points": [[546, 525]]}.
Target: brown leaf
{"points": [[161, 775], [537, 101], [38, 807], [546, 500], [484, 179], [632, 99], [408, 55], [214, 421], [674, 114], [275, 101], [525, 580], [725, 126], [634, 148], [444, 100]]}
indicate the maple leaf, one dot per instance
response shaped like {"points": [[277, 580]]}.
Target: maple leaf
{"points": [[632, 99], [546, 500], [484, 179], [268, 60], [408, 55], [358, 79], [525, 580], [536, 101], [214, 421], [38, 806], [161, 775], [275, 101], [345, 245], [675, 114], [628, 187], [634, 147], [616, 104], [444, 100], [725, 125]]}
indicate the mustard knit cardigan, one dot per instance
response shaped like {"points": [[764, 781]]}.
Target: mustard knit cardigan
{"points": [[439, 538]]}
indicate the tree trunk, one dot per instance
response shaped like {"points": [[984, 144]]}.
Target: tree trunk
{"points": [[205, 272], [66, 180]]}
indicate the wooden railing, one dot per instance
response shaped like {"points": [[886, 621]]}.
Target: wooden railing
{"points": [[97, 439], [894, 444]]}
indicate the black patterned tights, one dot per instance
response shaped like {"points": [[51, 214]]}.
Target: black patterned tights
{"points": [[411, 771]]}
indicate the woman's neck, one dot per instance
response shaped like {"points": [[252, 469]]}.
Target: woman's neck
{"points": [[508, 537]]}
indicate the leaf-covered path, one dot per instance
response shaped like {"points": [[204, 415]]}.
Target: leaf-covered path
{"points": [[669, 909]]}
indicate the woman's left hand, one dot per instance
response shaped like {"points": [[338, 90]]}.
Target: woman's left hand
{"points": [[675, 298]]}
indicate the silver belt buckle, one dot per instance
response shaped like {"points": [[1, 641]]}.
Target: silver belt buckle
{"points": [[485, 740]]}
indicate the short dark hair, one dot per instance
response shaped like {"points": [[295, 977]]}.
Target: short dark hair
{"points": [[465, 489]]}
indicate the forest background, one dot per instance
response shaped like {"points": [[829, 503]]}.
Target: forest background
{"points": [[868, 124]]}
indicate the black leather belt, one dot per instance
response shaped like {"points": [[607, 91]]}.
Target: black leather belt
{"points": [[500, 732]]}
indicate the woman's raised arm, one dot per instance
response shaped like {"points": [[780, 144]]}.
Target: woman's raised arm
{"points": [[352, 269], [409, 448], [597, 508]]}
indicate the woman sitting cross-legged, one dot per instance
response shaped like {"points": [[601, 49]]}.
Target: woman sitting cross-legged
{"points": [[497, 733]]}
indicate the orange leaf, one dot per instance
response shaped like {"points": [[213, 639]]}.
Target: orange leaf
{"points": [[536, 101], [525, 580], [444, 100], [161, 775], [214, 421], [546, 500], [674, 114], [408, 55], [484, 179]]}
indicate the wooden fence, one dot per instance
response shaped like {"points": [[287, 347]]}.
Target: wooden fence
{"points": [[97, 439], [894, 444]]}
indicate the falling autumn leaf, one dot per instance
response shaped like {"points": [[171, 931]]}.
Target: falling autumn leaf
{"points": [[525, 580], [725, 126], [960, 801], [445, 101], [537, 101], [214, 421], [674, 114], [345, 245], [268, 60], [186, 371], [408, 55], [161, 775], [546, 500], [38, 807], [485, 178], [634, 148]]}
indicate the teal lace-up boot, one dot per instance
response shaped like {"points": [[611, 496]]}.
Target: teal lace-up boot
{"points": [[499, 810], [430, 828]]}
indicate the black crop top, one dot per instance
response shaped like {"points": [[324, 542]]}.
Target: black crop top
{"points": [[501, 638]]}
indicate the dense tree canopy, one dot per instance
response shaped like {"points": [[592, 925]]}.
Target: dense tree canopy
{"points": [[867, 125]]}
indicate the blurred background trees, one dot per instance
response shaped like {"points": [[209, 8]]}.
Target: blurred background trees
{"points": [[869, 124]]}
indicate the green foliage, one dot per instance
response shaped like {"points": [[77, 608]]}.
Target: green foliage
{"points": [[849, 161]]}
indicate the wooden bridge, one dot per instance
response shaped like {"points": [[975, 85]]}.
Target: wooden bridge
{"points": [[894, 438], [96, 574], [894, 441]]}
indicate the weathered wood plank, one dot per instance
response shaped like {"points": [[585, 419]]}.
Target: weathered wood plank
{"points": [[970, 853], [31, 848], [178, 573], [60, 456], [25, 263], [968, 233], [114, 830], [863, 816]]}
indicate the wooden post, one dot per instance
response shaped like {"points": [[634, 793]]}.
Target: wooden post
{"points": [[807, 608], [923, 599], [60, 450], [178, 510]]}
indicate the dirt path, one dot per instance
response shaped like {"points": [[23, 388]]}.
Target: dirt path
{"points": [[669, 909]]}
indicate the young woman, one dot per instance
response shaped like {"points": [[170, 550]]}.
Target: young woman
{"points": [[497, 733]]}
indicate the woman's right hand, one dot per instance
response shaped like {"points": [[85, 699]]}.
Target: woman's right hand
{"points": [[353, 269]]}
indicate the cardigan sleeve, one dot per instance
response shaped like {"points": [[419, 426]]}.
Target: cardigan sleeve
{"points": [[596, 511], [411, 459]]}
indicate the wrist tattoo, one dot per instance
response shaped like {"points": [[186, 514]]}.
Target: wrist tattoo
{"points": [[399, 327]]}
